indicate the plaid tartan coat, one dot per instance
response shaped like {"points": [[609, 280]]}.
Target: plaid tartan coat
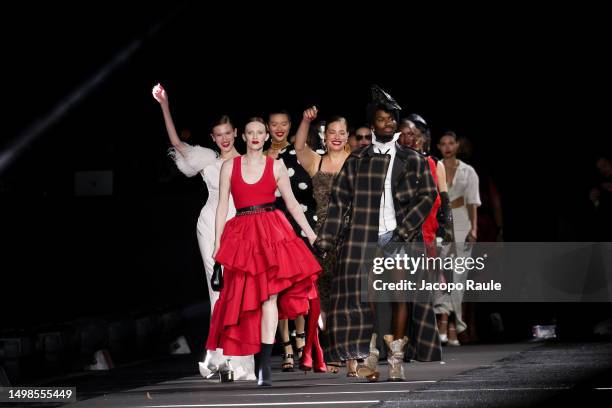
{"points": [[351, 223]]}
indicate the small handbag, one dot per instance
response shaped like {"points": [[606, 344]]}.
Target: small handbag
{"points": [[216, 280]]}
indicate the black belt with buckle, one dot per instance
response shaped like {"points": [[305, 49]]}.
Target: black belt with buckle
{"points": [[256, 209]]}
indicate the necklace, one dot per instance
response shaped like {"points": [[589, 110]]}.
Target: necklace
{"points": [[279, 145]]}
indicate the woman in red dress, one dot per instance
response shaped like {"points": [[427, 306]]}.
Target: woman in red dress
{"points": [[264, 261]]}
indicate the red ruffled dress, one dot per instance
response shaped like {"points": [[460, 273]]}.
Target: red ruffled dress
{"points": [[261, 256]]}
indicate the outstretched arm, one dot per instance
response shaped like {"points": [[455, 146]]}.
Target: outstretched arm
{"points": [[160, 95], [294, 208], [190, 160], [223, 205], [308, 158]]}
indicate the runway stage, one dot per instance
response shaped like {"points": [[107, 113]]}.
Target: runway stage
{"points": [[500, 375]]}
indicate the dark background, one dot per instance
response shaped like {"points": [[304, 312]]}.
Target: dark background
{"points": [[527, 88]]}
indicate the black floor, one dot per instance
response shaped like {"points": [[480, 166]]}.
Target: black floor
{"points": [[500, 375]]}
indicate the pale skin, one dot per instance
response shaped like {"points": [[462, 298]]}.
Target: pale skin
{"points": [[223, 135], [253, 165], [336, 136]]}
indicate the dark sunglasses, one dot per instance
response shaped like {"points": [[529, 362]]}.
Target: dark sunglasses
{"points": [[366, 137]]}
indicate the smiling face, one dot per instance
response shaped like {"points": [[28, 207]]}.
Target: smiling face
{"points": [[223, 135], [279, 125], [336, 135], [255, 135]]}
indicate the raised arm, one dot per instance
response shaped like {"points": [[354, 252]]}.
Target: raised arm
{"points": [[294, 208], [308, 158], [190, 160], [160, 95], [223, 205]]}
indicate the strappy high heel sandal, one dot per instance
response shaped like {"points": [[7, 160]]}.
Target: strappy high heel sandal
{"points": [[300, 350], [288, 362], [333, 367], [351, 368]]}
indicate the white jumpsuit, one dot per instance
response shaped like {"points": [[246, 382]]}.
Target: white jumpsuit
{"points": [[198, 159]]}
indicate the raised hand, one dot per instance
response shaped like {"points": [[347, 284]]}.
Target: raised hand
{"points": [[160, 95], [310, 114]]}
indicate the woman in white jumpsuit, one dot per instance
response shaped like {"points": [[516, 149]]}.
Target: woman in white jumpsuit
{"points": [[192, 160], [464, 199]]}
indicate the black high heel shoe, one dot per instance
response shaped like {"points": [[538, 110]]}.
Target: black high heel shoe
{"points": [[226, 372], [287, 367]]}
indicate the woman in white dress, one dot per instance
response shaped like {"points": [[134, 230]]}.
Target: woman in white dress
{"points": [[192, 160], [464, 200]]}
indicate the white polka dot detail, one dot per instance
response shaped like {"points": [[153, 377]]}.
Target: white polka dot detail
{"points": [[302, 186], [304, 208], [292, 152], [290, 171], [320, 151], [277, 193], [303, 234], [314, 217]]}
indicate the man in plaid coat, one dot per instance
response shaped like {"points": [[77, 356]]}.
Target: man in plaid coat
{"points": [[383, 194]]}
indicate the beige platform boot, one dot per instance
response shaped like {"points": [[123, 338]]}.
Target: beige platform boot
{"points": [[369, 370], [395, 358]]}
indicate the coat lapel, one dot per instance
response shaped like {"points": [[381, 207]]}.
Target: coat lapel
{"points": [[399, 164]]}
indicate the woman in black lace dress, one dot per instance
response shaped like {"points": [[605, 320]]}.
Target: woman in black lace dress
{"points": [[279, 125]]}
